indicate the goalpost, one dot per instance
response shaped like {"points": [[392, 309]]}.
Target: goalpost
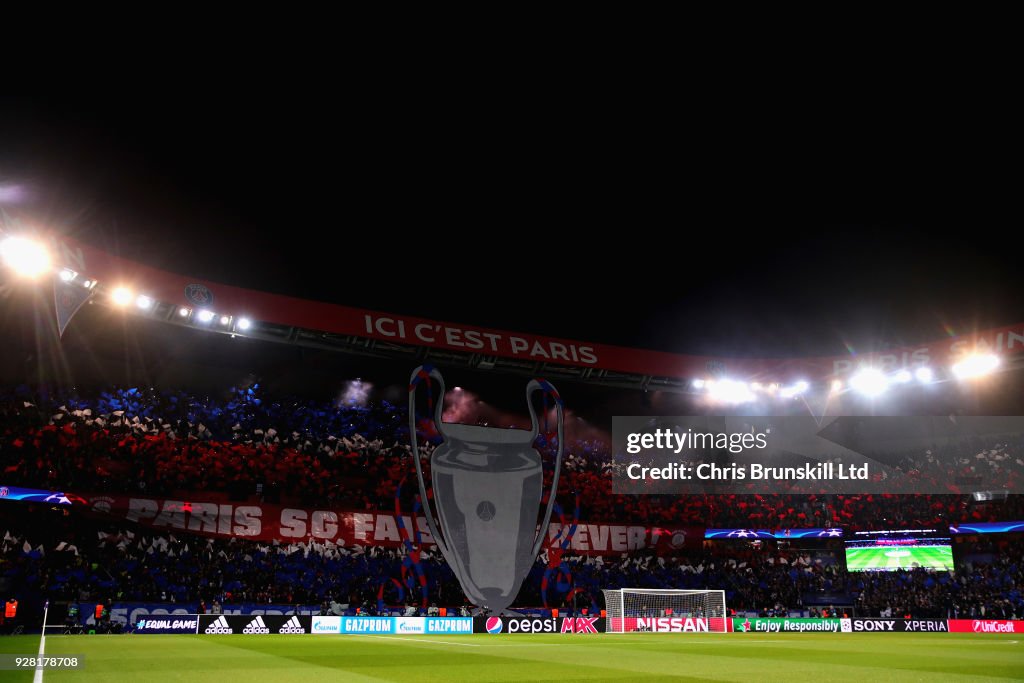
{"points": [[632, 610]]}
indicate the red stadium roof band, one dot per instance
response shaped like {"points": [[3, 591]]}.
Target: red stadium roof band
{"points": [[313, 323]]}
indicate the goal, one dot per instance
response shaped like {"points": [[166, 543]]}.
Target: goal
{"points": [[632, 610]]}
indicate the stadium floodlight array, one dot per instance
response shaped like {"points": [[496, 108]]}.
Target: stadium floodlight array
{"points": [[645, 610], [29, 257]]}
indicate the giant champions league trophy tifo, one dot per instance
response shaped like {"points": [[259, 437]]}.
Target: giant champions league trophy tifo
{"points": [[488, 487]]}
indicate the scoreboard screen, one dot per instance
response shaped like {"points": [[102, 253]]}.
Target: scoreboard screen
{"points": [[880, 551]]}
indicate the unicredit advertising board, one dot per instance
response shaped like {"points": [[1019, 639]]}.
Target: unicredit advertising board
{"points": [[985, 626]]}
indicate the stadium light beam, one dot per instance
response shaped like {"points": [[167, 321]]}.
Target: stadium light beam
{"points": [[903, 376], [225, 319], [183, 312], [205, 316], [976, 365], [144, 302], [67, 275], [870, 382], [243, 324], [25, 257], [924, 375]]}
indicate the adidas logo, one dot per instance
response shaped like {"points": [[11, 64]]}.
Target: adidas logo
{"points": [[219, 625], [292, 626], [256, 626]]}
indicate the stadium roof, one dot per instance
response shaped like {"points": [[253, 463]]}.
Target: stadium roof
{"points": [[570, 240]]}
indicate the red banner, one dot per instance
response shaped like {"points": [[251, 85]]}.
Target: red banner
{"points": [[985, 626], [261, 306], [267, 522]]}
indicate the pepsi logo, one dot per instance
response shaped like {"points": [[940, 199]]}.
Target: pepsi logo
{"points": [[494, 625]]}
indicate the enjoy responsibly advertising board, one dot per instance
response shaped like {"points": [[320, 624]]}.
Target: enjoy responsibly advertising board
{"points": [[784, 625]]}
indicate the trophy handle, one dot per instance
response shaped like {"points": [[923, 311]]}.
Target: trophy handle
{"points": [[544, 385], [418, 375]]}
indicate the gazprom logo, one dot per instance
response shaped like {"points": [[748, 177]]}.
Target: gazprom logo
{"points": [[494, 625], [199, 295]]}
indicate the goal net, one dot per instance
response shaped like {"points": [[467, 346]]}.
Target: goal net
{"points": [[633, 610]]}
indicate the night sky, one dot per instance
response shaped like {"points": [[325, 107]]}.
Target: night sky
{"points": [[749, 239]]}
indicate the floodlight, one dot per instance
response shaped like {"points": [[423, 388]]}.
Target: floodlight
{"points": [[976, 365], [121, 296], [24, 256], [870, 382]]}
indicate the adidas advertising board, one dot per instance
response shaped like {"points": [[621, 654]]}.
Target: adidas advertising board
{"points": [[259, 624], [256, 625], [293, 625], [219, 626]]}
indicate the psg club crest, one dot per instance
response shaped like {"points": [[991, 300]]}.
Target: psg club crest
{"points": [[198, 295], [487, 487]]}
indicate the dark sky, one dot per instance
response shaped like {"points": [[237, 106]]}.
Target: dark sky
{"points": [[721, 232]]}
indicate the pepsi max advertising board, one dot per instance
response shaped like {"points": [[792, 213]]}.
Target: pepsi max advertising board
{"points": [[567, 625]]}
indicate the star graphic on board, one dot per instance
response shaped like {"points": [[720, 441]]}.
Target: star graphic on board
{"points": [[742, 533], [746, 625]]}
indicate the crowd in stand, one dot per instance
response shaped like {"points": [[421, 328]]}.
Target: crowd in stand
{"points": [[66, 557], [353, 457]]}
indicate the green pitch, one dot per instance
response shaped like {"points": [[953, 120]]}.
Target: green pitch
{"points": [[872, 559], [792, 658]]}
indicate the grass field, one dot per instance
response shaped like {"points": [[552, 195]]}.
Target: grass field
{"points": [[872, 559], [649, 657]]}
